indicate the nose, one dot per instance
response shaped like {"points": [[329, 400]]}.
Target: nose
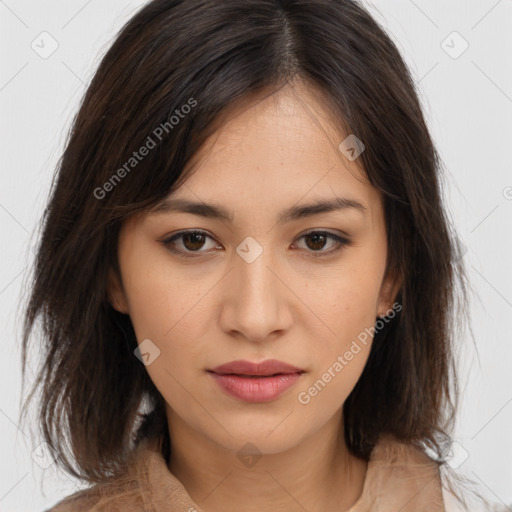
{"points": [[256, 299]]}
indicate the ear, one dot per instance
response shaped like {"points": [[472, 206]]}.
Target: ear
{"points": [[388, 292], [115, 292]]}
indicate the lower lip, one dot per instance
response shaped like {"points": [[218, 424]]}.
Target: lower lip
{"points": [[256, 389]]}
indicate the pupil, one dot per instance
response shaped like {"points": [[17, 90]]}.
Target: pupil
{"points": [[316, 237], [196, 238]]}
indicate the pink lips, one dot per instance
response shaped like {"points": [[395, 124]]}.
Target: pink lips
{"points": [[256, 382]]}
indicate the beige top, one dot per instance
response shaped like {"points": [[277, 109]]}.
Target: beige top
{"points": [[399, 478]]}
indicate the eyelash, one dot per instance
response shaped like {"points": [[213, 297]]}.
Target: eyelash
{"points": [[168, 243]]}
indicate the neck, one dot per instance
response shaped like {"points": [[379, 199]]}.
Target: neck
{"points": [[318, 474]]}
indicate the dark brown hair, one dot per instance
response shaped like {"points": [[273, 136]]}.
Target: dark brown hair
{"points": [[214, 56]]}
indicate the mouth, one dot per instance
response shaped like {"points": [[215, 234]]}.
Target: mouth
{"points": [[256, 382]]}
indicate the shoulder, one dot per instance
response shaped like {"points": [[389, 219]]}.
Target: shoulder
{"points": [[115, 496], [123, 493], [418, 482], [401, 476], [81, 501], [391, 455]]}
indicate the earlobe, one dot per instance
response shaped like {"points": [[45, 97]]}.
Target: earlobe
{"points": [[115, 293]]}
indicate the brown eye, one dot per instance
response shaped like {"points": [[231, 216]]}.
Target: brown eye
{"points": [[191, 242], [317, 240]]}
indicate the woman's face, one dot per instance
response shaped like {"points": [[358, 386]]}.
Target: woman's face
{"points": [[261, 285]]}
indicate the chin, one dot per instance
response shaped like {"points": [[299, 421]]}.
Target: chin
{"points": [[267, 440]]}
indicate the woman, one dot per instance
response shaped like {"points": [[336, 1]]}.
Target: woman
{"points": [[246, 277]]}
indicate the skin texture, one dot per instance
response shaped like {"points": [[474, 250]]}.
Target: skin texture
{"points": [[287, 304]]}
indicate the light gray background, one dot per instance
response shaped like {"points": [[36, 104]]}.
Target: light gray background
{"points": [[468, 104]]}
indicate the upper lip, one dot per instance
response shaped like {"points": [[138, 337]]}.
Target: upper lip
{"points": [[267, 367]]}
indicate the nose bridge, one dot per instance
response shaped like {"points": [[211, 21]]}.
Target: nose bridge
{"points": [[256, 298], [257, 279]]}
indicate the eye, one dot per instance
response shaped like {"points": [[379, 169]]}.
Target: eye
{"points": [[192, 241], [318, 241]]}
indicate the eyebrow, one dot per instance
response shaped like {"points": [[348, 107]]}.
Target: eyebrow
{"points": [[214, 211]]}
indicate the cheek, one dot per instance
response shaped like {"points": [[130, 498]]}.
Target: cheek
{"points": [[346, 305], [347, 310], [170, 309], [325, 392], [353, 317], [161, 301], [341, 354]]}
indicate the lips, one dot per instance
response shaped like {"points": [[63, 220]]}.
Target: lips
{"points": [[256, 382], [265, 368]]}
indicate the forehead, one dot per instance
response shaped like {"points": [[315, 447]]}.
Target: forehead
{"points": [[286, 142]]}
